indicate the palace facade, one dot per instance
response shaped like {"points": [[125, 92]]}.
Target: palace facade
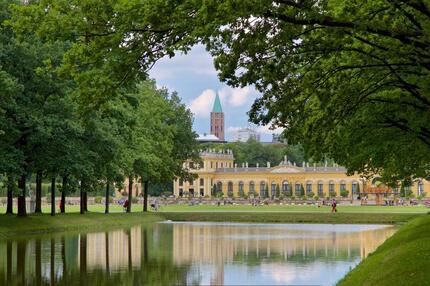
{"points": [[219, 173]]}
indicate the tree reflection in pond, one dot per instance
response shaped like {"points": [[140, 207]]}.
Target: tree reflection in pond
{"points": [[124, 257], [191, 253]]}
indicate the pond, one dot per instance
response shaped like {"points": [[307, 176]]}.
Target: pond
{"points": [[192, 253]]}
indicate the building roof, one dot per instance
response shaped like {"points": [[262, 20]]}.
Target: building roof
{"points": [[282, 170], [207, 137], [217, 105]]}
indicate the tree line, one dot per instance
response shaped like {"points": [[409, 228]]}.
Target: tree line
{"points": [[348, 80], [51, 130]]}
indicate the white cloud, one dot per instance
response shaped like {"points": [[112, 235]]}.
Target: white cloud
{"points": [[201, 106], [232, 129], [236, 96], [268, 129], [197, 62]]}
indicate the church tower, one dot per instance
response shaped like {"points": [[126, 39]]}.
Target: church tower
{"points": [[217, 119]]}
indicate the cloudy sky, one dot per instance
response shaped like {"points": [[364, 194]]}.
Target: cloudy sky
{"points": [[194, 77]]}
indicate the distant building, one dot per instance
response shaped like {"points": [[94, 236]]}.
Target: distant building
{"points": [[277, 138], [220, 173], [244, 134], [217, 119]]}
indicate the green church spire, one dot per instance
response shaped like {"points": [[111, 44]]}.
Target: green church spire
{"points": [[217, 104]]}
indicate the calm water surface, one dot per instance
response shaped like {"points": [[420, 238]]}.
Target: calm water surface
{"points": [[192, 253]]}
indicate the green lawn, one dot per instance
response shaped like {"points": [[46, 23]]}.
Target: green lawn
{"points": [[114, 208], [296, 208], [13, 226], [403, 259]]}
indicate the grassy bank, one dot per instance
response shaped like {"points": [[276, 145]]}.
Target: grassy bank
{"points": [[295, 208], [292, 217], [12, 226], [401, 260], [248, 208]]}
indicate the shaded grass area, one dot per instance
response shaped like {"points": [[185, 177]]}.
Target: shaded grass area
{"points": [[11, 226], [402, 259], [292, 217]]}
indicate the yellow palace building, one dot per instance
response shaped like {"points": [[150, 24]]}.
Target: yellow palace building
{"points": [[219, 172]]}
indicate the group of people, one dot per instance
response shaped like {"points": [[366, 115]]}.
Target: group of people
{"points": [[154, 205]]}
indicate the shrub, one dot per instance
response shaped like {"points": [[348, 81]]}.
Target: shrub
{"points": [[281, 197], [134, 200], [293, 197], [245, 196], [332, 194], [98, 200], [316, 198], [310, 195], [219, 194], [124, 194], [344, 193]]}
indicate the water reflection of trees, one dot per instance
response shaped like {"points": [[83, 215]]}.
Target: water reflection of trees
{"points": [[70, 260]]}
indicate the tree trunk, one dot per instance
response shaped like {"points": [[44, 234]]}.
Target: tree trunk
{"points": [[38, 257], [81, 201], [107, 253], [10, 182], [130, 255], [63, 259], [85, 201], [130, 191], [52, 264], [83, 259], [63, 195], [38, 208], [9, 262], [107, 198], [21, 249], [21, 198], [53, 196], [145, 196]]}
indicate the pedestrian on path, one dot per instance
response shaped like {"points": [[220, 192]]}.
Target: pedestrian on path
{"points": [[334, 206]]}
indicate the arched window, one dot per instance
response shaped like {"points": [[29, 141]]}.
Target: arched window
{"points": [[286, 188], [298, 189], [342, 186], [331, 187], [219, 187], [308, 187], [181, 192], [420, 188], [230, 189], [320, 189], [354, 188], [263, 189], [273, 190], [241, 192], [251, 188]]}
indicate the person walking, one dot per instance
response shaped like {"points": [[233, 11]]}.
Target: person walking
{"points": [[334, 206]]}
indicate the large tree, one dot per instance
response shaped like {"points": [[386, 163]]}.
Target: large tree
{"points": [[348, 79]]}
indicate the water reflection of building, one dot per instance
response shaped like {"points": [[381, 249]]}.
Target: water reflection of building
{"points": [[117, 253], [190, 242], [219, 245]]}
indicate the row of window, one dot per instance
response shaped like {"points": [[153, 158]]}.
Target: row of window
{"points": [[286, 187]]}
